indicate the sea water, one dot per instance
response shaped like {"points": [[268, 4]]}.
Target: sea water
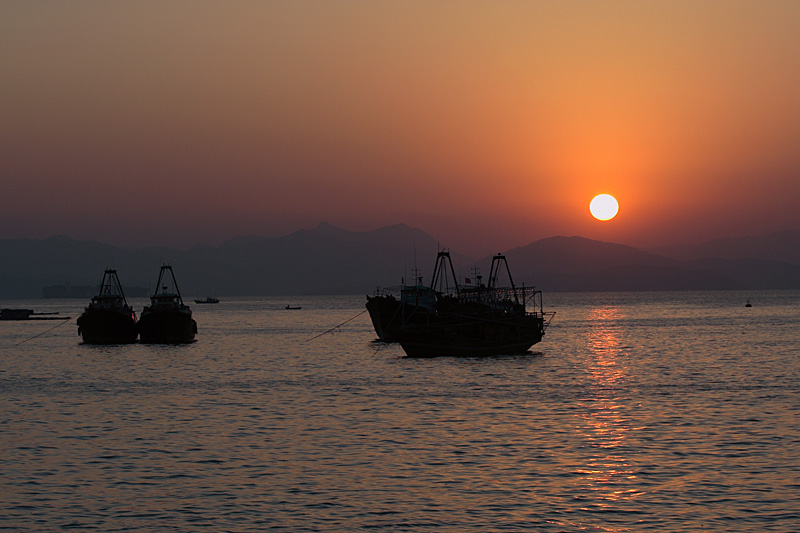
{"points": [[638, 411]]}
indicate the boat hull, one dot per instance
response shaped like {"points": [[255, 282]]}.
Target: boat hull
{"points": [[107, 327], [166, 327], [459, 337], [389, 316], [431, 346]]}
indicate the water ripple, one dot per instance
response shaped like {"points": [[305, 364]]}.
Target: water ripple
{"points": [[641, 412]]}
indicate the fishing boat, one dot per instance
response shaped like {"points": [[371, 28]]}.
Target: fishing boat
{"points": [[474, 321], [167, 320], [292, 307], [108, 319], [208, 300]]}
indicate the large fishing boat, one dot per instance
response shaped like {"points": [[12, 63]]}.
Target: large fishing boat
{"points": [[476, 320], [108, 319], [167, 320]]}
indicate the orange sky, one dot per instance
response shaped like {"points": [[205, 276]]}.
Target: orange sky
{"points": [[487, 124]]}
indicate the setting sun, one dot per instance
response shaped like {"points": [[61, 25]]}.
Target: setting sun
{"points": [[604, 207]]}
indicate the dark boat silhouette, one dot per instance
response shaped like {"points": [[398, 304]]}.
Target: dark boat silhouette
{"points": [[108, 319], [28, 314], [451, 320], [392, 308], [292, 307], [209, 300], [167, 320]]}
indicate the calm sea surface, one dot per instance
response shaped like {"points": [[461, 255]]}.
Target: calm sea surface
{"points": [[638, 411]]}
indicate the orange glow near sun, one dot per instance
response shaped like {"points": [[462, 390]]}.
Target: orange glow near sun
{"points": [[604, 207]]}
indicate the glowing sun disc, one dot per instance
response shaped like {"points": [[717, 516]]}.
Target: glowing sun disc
{"points": [[604, 207]]}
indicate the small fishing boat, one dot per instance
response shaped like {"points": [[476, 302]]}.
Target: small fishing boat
{"points": [[108, 319], [748, 304], [15, 314], [292, 307], [208, 300], [28, 314], [167, 320]]}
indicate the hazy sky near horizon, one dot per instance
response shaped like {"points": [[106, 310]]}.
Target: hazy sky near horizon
{"points": [[487, 124]]}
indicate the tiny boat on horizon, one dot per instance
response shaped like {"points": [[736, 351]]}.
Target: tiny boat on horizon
{"points": [[209, 300], [28, 314], [167, 320], [292, 307], [108, 319]]}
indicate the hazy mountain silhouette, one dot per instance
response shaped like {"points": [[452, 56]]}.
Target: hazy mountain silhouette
{"points": [[783, 246], [326, 260], [755, 273], [331, 260], [579, 264]]}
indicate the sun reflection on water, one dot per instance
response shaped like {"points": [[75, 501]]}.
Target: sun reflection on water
{"points": [[604, 424]]}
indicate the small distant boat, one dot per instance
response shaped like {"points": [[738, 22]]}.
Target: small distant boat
{"points": [[208, 300], [15, 314], [28, 314], [167, 320], [748, 304], [292, 307], [108, 319]]}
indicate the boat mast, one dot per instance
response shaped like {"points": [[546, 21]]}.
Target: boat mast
{"points": [[105, 286], [114, 279], [174, 281], [497, 262], [440, 272]]}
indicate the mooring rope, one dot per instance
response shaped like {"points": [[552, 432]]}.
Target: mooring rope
{"points": [[46, 331], [335, 327]]}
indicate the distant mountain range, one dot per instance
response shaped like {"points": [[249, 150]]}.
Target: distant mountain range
{"points": [[331, 260]]}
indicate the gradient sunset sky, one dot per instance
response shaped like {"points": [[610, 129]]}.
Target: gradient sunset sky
{"points": [[487, 124]]}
